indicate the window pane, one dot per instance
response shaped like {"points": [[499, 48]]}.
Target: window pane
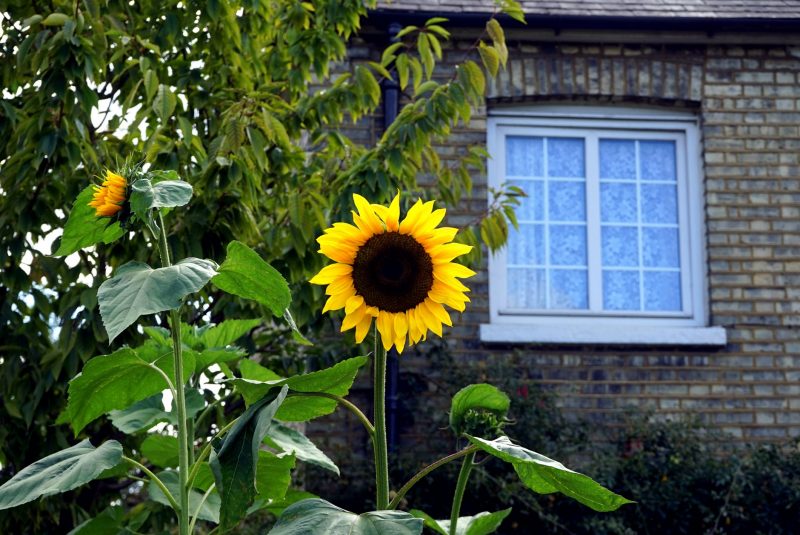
{"points": [[657, 160], [524, 156], [662, 290], [565, 157], [526, 245], [567, 201], [568, 245], [617, 158], [618, 202], [659, 203], [620, 246], [620, 290], [526, 288], [531, 208], [569, 288], [660, 247]]}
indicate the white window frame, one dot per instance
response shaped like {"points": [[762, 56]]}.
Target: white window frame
{"points": [[688, 326]]}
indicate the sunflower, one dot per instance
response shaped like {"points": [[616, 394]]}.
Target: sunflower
{"points": [[398, 272], [109, 197]]}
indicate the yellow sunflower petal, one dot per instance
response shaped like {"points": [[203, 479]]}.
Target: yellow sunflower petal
{"points": [[426, 226], [413, 215], [363, 328], [448, 251], [330, 273], [343, 256], [389, 214], [400, 324], [335, 302], [342, 284], [367, 214], [449, 281], [353, 318], [455, 270], [431, 321], [386, 327], [438, 311], [415, 325], [353, 303]]}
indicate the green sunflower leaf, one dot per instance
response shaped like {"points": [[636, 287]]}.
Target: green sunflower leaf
{"points": [[144, 414], [335, 380], [273, 475], [165, 194], [209, 510], [227, 332], [318, 516], [84, 228], [119, 380], [545, 476], [161, 450], [245, 274], [478, 396], [137, 289], [290, 440], [60, 472], [235, 458], [481, 524]]}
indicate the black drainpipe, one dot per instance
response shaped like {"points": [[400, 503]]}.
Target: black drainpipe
{"points": [[391, 106]]}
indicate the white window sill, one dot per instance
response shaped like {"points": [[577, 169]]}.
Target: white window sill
{"points": [[602, 334]]}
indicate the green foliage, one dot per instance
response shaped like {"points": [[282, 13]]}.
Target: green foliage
{"points": [[118, 380], [480, 524], [235, 458], [544, 475], [136, 290], [245, 274], [293, 441], [143, 415], [319, 516], [208, 509], [60, 472], [84, 228]]}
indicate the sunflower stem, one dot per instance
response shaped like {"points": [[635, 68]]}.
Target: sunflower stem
{"points": [[180, 398], [461, 485], [379, 421]]}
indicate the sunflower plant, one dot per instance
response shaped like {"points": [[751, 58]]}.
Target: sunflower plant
{"points": [[394, 277]]}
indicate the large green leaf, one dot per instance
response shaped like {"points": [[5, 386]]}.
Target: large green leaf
{"points": [[161, 450], [481, 524], [544, 475], [287, 439], [273, 475], [227, 332], [119, 380], [60, 472], [84, 228], [144, 414], [318, 516], [210, 510], [137, 289], [335, 380], [234, 460], [479, 396], [109, 522], [147, 195], [246, 274]]}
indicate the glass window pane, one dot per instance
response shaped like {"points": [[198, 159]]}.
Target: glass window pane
{"points": [[620, 246], [569, 289], [526, 288], [524, 156], [526, 245], [531, 208], [568, 245], [660, 247], [617, 158], [567, 201], [657, 160], [620, 290], [618, 202], [662, 290], [565, 157], [659, 203]]}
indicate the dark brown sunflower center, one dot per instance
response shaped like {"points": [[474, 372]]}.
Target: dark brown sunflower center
{"points": [[393, 272]]}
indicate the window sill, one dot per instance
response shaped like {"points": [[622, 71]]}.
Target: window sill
{"points": [[602, 334]]}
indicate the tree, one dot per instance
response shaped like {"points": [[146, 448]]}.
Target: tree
{"points": [[224, 94]]}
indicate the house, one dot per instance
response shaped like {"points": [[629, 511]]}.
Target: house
{"points": [[657, 263]]}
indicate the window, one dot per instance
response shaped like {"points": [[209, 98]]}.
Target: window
{"points": [[611, 231]]}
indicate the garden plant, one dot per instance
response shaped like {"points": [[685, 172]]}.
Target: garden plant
{"points": [[205, 459]]}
